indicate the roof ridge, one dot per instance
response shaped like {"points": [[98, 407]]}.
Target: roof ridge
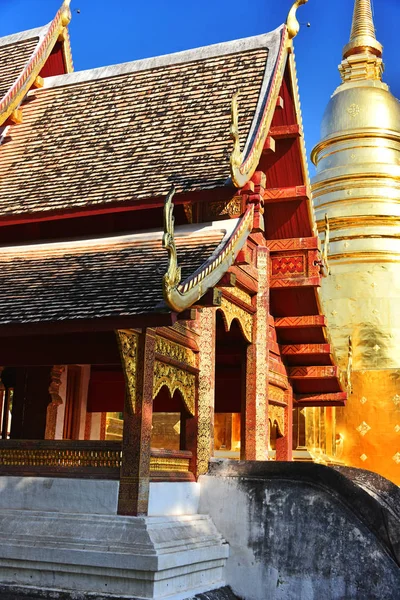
{"points": [[22, 36], [143, 64]]}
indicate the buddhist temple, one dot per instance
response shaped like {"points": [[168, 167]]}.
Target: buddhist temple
{"points": [[160, 315], [356, 190]]}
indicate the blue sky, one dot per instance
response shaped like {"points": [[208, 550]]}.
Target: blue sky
{"points": [[113, 31]]}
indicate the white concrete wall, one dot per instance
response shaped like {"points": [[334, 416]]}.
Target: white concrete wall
{"points": [[58, 494], [174, 498]]}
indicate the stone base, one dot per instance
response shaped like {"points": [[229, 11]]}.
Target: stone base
{"points": [[136, 557]]}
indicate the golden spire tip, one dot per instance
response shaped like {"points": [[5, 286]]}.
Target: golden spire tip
{"points": [[362, 30]]}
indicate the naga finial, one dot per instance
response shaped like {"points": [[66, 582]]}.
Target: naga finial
{"points": [[236, 156], [292, 24], [66, 15], [172, 277]]}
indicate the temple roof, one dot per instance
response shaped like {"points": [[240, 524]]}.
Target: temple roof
{"points": [[15, 52], [126, 132], [99, 278]]}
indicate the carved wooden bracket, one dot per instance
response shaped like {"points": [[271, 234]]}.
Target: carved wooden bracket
{"points": [[56, 401]]}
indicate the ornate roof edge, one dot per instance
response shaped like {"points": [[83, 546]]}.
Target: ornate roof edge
{"points": [[243, 165], [47, 39], [181, 295]]}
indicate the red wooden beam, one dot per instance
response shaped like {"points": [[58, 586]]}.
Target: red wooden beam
{"points": [[334, 399], [321, 372], [285, 194], [285, 131], [296, 282], [307, 243], [296, 349], [81, 325], [300, 322]]}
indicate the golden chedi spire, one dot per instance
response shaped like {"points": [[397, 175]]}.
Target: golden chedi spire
{"points": [[362, 56], [357, 185]]}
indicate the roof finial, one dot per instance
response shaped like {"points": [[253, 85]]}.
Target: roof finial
{"points": [[362, 35], [292, 24], [173, 276]]}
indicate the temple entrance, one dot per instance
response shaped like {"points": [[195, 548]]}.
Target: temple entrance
{"points": [[169, 421], [230, 388]]}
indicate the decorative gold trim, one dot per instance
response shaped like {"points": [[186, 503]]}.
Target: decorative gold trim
{"points": [[242, 173], [56, 401], [292, 24], [21, 86], [173, 275], [174, 379], [168, 464], [175, 351], [128, 346], [231, 311], [236, 158], [180, 296], [241, 294], [277, 394], [276, 414]]}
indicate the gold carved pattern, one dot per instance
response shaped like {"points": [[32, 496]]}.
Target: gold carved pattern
{"points": [[277, 394], [128, 345], [261, 342], [276, 414], [231, 311], [241, 294], [82, 457], [56, 401], [59, 457], [175, 351], [354, 110], [174, 379], [169, 464], [232, 208], [206, 389]]}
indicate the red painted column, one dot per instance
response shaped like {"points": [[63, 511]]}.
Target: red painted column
{"points": [[284, 445], [137, 353], [254, 443]]}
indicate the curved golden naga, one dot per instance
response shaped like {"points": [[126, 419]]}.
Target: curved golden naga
{"points": [[292, 24], [236, 156], [172, 277]]}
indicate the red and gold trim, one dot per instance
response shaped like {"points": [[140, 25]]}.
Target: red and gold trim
{"points": [[27, 78]]}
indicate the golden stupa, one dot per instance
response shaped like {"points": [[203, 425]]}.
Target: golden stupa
{"points": [[357, 202]]}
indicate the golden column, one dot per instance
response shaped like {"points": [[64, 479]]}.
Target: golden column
{"points": [[358, 187]]}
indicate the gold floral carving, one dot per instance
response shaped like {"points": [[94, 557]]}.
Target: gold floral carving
{"points": [[241, 294], [128, 345], [174, 379], [276, 414], [276, 393], [262, 358], [231, 311], [206, 389], [56, 401], [175, 351], [232, 208]]}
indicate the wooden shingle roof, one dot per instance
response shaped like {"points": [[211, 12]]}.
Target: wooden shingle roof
{"points": [[116, 277], [124, 133]]}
